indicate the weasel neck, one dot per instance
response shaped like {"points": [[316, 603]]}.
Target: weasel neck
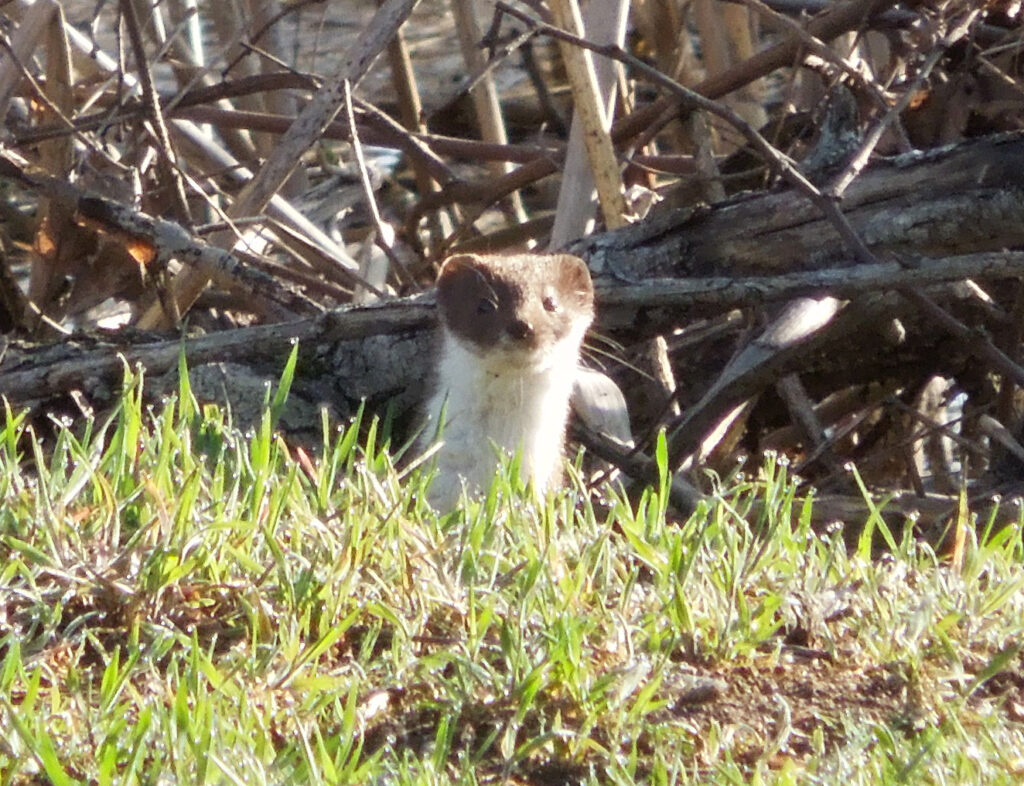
{"points": [[494, 405]]}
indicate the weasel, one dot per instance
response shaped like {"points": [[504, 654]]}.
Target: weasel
{"points": [[511, 330]]}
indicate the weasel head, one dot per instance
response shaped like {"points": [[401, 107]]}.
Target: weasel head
{"points": [[516, 312]]}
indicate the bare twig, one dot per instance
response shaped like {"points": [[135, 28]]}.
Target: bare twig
{"points": [[836, 19], [155, 238], [860, 160], [30, 31], [484, 93], [168, 159], [384, 234], [976, 340], [819, 48], [635, 465], [403, 78], [801, 409], [308, 127]]}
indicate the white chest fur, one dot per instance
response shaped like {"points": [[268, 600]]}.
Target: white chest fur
{"points": [[511, 331], [495, 408]]}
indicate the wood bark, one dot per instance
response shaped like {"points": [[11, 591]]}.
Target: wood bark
{"points": [[934, 218], [958, 200]]}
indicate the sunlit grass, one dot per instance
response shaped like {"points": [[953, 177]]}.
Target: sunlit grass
{"points": [[184, 603]]}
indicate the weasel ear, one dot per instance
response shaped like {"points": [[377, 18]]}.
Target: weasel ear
{"points": [[459, 283], [574, 277], [460, 263]]}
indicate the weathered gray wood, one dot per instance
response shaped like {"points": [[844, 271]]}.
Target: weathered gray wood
{"points": [[966, 201], [960, 200], [351, 349], [623, 304]]}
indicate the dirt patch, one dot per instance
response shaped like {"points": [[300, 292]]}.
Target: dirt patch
{"points": [[772, 708], [779, 706]]}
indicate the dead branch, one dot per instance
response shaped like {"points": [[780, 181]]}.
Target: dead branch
{"points": [[306, 129], [650, 277], [155, 241], [960, 200]]}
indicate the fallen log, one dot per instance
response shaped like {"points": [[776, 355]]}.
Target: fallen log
{"points": [[962, 199], [933, 218]]}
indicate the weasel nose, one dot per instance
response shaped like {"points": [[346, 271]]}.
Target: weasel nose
{"points": [[520, 329]]}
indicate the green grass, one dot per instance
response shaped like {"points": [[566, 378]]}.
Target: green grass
{"points": [[182, 603]]}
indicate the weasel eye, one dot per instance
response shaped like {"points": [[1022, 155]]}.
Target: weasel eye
{"points": [[486, 306], [549, 303]]}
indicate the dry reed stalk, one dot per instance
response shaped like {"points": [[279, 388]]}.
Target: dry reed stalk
{"points": [[55, 157], [410, 107], [304, 131], [605, 23], [282, 102], [594, 120], [484, 94], [167, 161], [35, 19], [725, 40]]}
